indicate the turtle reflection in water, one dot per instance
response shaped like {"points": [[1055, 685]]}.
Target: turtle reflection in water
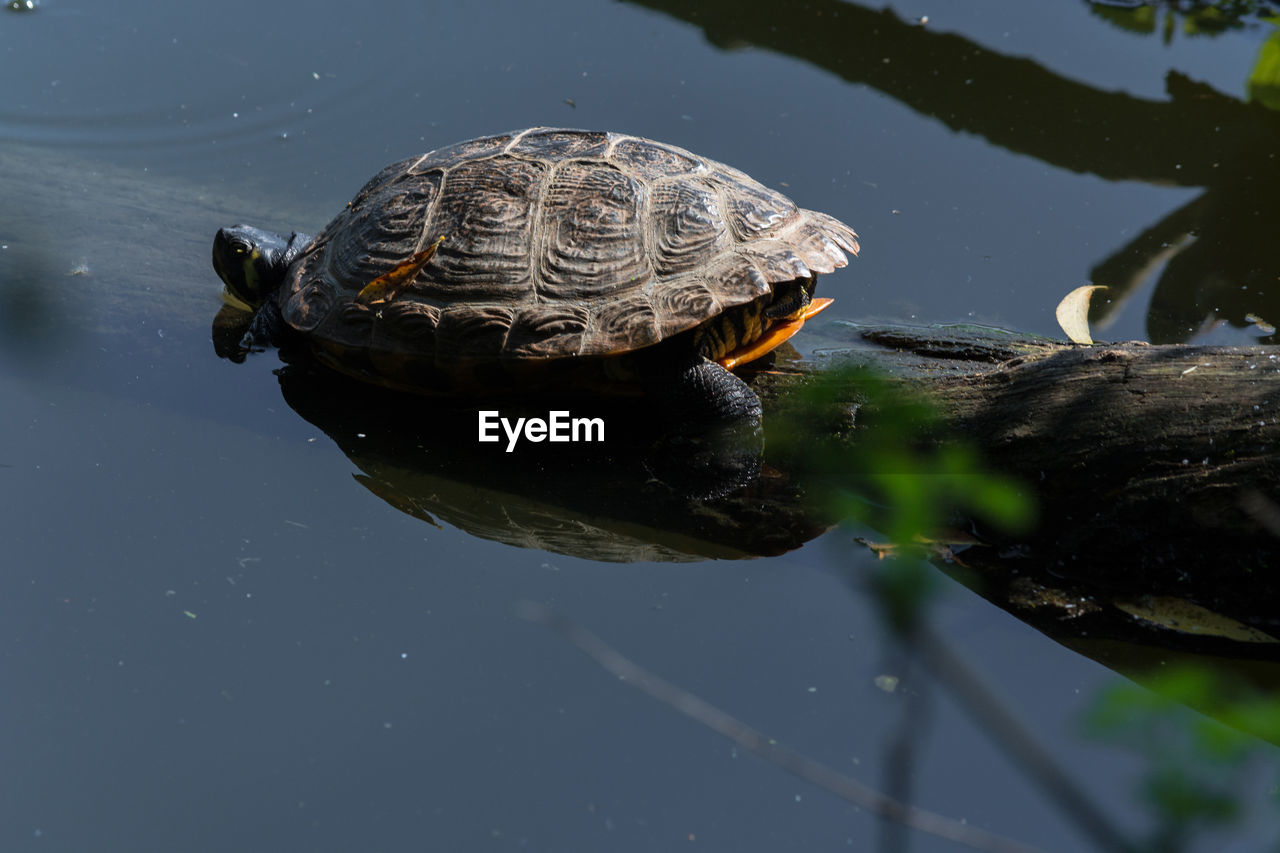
{"points": [[614, 502], [547, 260]]}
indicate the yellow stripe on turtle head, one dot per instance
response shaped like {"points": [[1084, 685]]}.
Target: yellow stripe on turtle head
{"points": [[251, 279]]}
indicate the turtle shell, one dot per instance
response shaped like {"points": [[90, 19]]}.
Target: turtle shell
{"points": [[558, 244]]}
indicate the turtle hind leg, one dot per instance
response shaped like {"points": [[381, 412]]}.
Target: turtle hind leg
{"points": [[712, 441], [698, 390]]}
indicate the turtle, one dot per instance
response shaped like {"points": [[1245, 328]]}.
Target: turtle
{"points": [[546, 259]]}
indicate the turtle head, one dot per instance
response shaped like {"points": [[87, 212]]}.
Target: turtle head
{"points": [[252, 262]]}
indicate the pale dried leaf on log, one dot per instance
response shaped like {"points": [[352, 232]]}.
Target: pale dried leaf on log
{"points": [[1073, 313]]}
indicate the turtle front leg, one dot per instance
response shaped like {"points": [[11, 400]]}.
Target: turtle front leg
{"points": [[267, 328]]}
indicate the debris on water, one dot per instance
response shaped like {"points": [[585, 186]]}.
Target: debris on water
{"points": [[21, 5], [571, 103], [188, 614], [887, 683], [1260, 324], [79, 269]]}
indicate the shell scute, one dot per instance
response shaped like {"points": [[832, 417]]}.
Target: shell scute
{"points": [[623, 324], [844, 236], [452, 155], [372, 238], [819, 251], [650, 160], [307, 306], [408, 320], [777, 260], [754, 210], [486, 219], [688, 225], [681, 304], [547, 331], [591, 243], [737, 280], [551, 144], [467, 332]]}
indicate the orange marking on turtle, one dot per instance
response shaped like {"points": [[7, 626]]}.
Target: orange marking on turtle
{"points": [[391, 284], [774, 337]]}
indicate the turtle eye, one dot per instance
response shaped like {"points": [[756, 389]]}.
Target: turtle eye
{"points": [[240, 247]]}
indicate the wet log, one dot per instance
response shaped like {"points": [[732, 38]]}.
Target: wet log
{"points": [[1155, 467]]}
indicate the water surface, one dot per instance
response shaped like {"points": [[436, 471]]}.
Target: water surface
{"points": [[216, 638]]}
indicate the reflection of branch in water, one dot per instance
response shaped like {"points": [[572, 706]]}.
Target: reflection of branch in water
{"points": [[1127, 267], [1016, 739], [1220, 264], [1199, 137], [758, 744], [1191, 17], [1195, 139], [902, 750]]}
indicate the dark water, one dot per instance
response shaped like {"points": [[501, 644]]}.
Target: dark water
{"points": [[213, 636]]}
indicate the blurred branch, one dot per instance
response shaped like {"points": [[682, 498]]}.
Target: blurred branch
{"points": [[762, 746]]}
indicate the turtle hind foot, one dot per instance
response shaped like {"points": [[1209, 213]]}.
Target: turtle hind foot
{"points": [[699, 391], [712, 440]]}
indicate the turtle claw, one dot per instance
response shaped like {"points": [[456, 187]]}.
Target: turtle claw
{"points": [[388, 286]]}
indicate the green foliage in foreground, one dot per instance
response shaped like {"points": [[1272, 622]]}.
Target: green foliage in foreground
{"points": [[894, 472], [1264, 82], [882, 460], [1207, 18], [1197, 17], [1197, 770]]}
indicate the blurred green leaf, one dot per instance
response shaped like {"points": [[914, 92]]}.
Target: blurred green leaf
{"points": [[1264, 82], [1197, 766], [895, 471], [1192, 17]]}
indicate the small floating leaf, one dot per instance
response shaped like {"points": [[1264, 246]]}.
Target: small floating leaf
{"points": [[1073, 313], [1261, 324], [887, 683], [188, 614]]}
